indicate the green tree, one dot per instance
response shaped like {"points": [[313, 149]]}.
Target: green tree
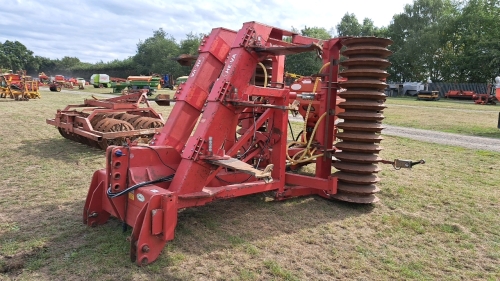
{"points": [[471, 42], [16, 56], [191, 44], [67, 63], [307, 63], [416, 34], [349, 26], [154, 55]]}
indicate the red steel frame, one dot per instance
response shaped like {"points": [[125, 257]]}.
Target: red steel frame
{"points": [[201, 130]]}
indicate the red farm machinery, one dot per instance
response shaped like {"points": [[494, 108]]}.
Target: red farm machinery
{"points": [[227, 134], [100, 123]]}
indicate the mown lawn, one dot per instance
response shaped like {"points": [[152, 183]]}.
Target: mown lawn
{"points": [[446, 115], [437, 221]]}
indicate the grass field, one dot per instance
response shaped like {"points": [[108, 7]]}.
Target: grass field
{"points": [[446, 115], [438, 221]]}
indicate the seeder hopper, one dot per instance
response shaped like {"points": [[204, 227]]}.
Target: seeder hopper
{"points": [[227, 134]]}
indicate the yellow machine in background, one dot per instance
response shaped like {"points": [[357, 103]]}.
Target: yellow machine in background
{"points": [[428, 95], [18, 87]]}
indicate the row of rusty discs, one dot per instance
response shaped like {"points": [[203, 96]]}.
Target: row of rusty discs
{"points": [[137, 121], [114, 122]]}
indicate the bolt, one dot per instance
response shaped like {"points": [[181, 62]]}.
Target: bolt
{"points": [[145, 249]]}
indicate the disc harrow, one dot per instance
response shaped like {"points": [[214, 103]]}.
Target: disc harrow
{"points": [[100, 123], [360, 137], [139, 122]]}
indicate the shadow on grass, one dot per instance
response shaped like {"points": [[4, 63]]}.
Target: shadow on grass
{"points": [[227, 223], [58, 148], [9, 100], [70, 249], [50, 242]]}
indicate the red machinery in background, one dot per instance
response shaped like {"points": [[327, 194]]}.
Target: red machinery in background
{"points": [[488, 98], [459, 94], [103, 122], [43, 78], [227, 134], [57, 83]]}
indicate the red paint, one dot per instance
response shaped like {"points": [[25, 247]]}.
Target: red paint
{"points": [[218, 93]]}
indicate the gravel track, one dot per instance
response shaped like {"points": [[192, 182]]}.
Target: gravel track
{"points": [[471, 142]]}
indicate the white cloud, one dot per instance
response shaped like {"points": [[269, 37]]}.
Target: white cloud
{"points": [[106, 30]]}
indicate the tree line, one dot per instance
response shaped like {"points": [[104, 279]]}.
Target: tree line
{"points": [[441, 40]]}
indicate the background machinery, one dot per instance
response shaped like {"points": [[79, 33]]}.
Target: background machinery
{"points": [[179, 81], [227, 135], [425, 94], [166, 80], [100, 123], [137, 84], [18, 87], [57, 83], [43, 78], [100, 80]]}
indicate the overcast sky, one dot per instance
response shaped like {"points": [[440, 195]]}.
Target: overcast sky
{"points": [[105, 30]]}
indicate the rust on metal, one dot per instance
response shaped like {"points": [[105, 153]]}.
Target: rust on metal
{"points": [[101, 123], [361, 125]]}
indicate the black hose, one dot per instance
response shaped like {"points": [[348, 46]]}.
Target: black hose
{"points": [[136, 186]]}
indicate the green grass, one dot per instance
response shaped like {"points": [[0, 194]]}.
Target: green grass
{"points": [[445, 115], [438, 221], [89, 89]]}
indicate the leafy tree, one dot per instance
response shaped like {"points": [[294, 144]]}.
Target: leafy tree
{"points": [[191, 43], [154, 55], [189, 46], [46, 65], [67, 63], [16, 56], [349, 26], [416, 34], [307, 63], [471, 43]]}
